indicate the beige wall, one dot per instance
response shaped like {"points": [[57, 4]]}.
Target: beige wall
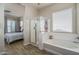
{"points": [[53, 8], [30, 14], [1, 28], [16, 9], [78, 18]]}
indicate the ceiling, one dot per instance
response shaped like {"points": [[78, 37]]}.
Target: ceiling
{"points": [[37, 5], [17, 8]]}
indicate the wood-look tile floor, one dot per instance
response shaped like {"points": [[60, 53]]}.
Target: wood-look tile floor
{"points": [[17, 48]]}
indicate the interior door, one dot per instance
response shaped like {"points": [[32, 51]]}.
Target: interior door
{"points": [[33, 31]]}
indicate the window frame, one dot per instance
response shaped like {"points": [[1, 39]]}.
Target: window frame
{"points": [[11, 31], [74, 27]]}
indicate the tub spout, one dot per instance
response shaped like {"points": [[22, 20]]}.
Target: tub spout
{"points": [[50, 37], [76, 40]]}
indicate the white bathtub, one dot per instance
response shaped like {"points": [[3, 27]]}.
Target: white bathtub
{"points": [[65, 47]]}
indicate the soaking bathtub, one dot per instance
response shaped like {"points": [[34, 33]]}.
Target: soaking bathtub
{"points": [[61, 47]]}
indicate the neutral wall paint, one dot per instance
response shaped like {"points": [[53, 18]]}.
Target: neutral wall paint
{"points": [[16, 9], [53, 8], [78, 18], [1, 28], [30, 14]]}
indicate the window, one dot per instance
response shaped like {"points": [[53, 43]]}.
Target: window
{"points": [[62, 21], [21, 25], [10, 26]]}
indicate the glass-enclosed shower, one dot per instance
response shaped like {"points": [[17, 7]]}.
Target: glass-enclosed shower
{"points": [[37, 26]]}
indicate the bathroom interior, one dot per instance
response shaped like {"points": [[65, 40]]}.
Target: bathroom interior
{"points": [[53, 27]]}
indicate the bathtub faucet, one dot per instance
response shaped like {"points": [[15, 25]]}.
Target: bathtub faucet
{"points": [[50, 37], [76, 40]]}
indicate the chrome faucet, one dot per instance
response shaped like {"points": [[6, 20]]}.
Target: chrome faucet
{"points": [[50, 37], [76, 40]]}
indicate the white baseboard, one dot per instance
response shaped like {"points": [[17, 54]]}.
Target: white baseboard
{"points": [[34, 44], [26, 44]]}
